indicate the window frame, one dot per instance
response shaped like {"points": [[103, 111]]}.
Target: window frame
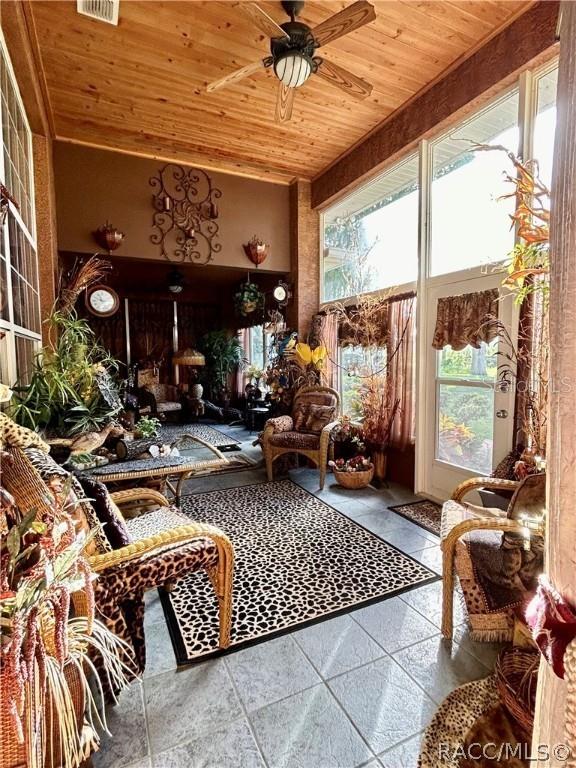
{"points": [[8, 325]]}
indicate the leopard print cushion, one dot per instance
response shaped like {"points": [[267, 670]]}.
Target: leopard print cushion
{"points": [[12, 434], [49, 470], [281, 424]]}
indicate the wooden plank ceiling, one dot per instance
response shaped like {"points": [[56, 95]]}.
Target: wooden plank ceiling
{"points": [[140, 87]]}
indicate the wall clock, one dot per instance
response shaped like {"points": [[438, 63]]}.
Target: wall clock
{"points": [[102, 301], [281, 293]]}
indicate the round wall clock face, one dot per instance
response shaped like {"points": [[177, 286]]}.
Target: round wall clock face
{"points": [[280, 293], [102, 301]]}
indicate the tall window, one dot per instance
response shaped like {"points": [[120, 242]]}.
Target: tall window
{"points": [[19, 297], [257, 346], [371, 238], [545, 124], [470, 224]]}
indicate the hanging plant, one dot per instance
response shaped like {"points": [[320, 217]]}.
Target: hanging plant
{"points": [[249, 299]]}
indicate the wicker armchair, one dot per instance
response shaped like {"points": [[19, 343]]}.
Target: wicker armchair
{"points": [[285, 435], [157, 399], [525, 513], [164, 546]]}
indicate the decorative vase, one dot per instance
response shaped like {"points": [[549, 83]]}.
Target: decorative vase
{"points": [[196, 391], [354, 480], [379, 458]]}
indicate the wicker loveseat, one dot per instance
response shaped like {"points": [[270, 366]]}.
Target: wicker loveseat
{"points": [[497, 555], [306, 431], [162, 546]]}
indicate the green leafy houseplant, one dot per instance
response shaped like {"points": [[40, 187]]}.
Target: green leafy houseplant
{"points": [[71, 388], [224, 354], [249, 299], [148, 426]]}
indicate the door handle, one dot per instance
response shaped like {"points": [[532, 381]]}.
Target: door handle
{"points": [[502, 413]]}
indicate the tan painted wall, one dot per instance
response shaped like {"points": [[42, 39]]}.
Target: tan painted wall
{"points": [[94, 185]]}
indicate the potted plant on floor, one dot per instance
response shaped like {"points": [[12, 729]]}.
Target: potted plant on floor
{"points": [[365, 327], [48, 716], [224, 355]]}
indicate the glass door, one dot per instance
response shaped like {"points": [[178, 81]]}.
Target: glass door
{"points": [[469, 416]]}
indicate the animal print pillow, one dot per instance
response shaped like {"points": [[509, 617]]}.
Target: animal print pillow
{"points": [[312, 418]]}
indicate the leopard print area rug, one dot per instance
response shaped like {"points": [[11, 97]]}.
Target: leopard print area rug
{"points": [[215, 437], [298, 561], [426, 514]]}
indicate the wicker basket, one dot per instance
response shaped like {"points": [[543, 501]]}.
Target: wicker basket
{"points": [[517, 676], [354, 480], [13, 754]]}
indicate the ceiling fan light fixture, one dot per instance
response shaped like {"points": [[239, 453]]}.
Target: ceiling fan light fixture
{"points": [[293, 68]]}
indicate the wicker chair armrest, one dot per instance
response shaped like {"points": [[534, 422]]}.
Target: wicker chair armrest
{"points": [[325, 434], [148, 546], [479, 524], [139, 494], [492, 483]]}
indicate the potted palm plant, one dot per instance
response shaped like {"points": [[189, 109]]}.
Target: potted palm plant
{"points": [[224, 355]]}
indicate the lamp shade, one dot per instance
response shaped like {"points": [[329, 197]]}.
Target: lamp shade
{"points": [[293, 69], [189, 357]]}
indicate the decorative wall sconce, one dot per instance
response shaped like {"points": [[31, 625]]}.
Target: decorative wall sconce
{"points": [[175, 281], [108, 237], [185, 213], [5, 199], [256, 250]]}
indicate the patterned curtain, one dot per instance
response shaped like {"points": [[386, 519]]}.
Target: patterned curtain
{"points": [[460, 319], [401, 354]]}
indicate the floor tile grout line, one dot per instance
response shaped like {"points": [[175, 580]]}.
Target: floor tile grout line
{"points": [[410, 645], [352, 669], [246, 715]]}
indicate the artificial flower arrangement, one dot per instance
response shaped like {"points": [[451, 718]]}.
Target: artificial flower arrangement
{"points": [[42, 643], [355, 464], [353, 473], [296, 365]]}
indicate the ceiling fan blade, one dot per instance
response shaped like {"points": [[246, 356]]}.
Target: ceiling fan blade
{"points": [[233, 77], [351, 18], [340, 77], [284, 103], [262, 20]]}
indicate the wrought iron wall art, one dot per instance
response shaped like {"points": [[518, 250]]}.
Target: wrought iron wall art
{"points": [[185, 214]]}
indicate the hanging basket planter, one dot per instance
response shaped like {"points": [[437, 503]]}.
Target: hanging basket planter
{"points": [[249, 299]]}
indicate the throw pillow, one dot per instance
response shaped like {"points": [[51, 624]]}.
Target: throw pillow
{"points": [[312, 418], [319, 416], [77, 505], [107, 511]]}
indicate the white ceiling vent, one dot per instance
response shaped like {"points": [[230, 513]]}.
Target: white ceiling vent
{"points": [[101, 10]]}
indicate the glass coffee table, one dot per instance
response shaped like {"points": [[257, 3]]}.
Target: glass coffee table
{"points": [[165, 473]]}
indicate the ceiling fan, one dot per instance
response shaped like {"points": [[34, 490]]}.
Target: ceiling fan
{"points": [[293, 47]]}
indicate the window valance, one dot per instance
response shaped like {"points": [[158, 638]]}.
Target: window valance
{"points": [[462, 320]]}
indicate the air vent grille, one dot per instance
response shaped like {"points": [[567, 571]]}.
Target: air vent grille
{"points": [[102, 10]]}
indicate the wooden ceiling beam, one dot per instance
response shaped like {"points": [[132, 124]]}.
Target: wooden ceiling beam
{"points": [[501, 58]]}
